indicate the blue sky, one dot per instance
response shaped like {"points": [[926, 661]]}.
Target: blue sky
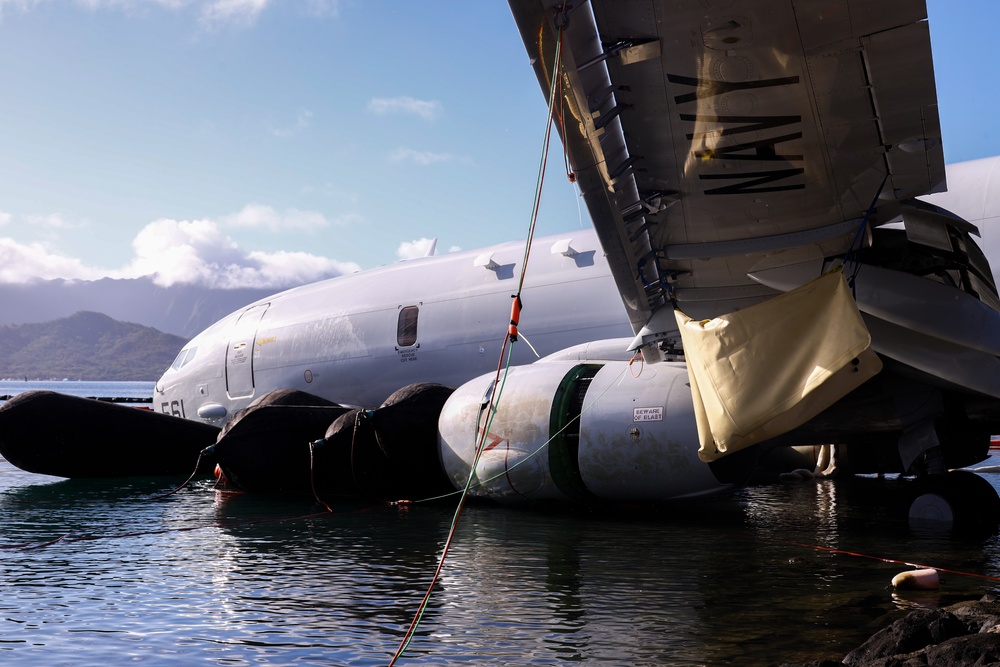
{"points": [[266, 143]]}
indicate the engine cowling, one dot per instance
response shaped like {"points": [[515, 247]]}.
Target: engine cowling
{"points": [[569, 431]]}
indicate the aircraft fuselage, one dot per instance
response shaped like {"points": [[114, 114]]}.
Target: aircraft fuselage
{"points": [[355, 339]]}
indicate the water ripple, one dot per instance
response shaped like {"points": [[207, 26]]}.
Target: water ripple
{"points": [[96, 573]]}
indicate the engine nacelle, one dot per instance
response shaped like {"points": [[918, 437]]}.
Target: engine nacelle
{"points": [[570, 431]]}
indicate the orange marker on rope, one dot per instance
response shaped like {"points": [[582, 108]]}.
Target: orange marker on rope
{"points": [[515, 317]]}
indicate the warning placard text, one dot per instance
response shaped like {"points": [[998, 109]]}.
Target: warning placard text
{"points": [[647, 414]]}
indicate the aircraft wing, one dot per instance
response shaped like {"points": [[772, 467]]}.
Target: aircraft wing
{"points": [[715, 138]]}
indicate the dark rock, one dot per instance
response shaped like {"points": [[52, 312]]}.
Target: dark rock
{"points": [[971, 650], [966, 633], [915, 631], [979, 615]]}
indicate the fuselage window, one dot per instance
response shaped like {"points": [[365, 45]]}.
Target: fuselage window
{"points": [[183, 358], [406, 326]]}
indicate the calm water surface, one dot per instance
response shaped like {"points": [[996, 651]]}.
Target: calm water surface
{"points": [[98, 572], [93, 389]]}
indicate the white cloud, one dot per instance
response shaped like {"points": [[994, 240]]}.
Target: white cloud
{"points": [[416, 248], [420, 157], [188, 251], [258, 216], [24, 263], [181, 252], [290, 268], [382, 106], [197, 251]]}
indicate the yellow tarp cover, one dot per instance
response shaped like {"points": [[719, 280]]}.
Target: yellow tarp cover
{"points": [[766, 369]]}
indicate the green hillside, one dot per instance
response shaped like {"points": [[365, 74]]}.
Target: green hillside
{"points": [[86, 346]]}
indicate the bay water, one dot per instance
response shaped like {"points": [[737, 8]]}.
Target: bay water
{"points": [[109, 572]]}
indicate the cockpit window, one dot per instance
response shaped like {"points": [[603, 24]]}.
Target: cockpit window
{"points": [[406, 326], [183, 358]]}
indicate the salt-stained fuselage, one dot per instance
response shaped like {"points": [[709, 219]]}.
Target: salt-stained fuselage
{"points": [[357, 338]]}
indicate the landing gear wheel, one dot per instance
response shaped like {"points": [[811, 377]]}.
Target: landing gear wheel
{"points": [[961, 500], [931, 507]]}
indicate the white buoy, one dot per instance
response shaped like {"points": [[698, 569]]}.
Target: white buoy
{"points": [[917, 580]]}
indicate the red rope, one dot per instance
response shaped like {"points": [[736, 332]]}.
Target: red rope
{"points": [[843, 552], [312, 472]]}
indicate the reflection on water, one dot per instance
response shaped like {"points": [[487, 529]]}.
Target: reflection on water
{"points": [[95, 573]]}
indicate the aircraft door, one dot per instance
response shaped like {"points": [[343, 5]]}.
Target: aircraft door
{"points": [[239, 354]]}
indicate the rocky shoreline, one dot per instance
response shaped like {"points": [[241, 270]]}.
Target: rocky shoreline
{"points": [[966, 633]]}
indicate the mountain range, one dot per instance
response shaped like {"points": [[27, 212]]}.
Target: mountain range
{"points": [[86, 346], [183, 310], [105, 329]]}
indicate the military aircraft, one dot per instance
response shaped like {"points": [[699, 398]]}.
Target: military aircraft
{"points": [[768, 271], [357, 338]]}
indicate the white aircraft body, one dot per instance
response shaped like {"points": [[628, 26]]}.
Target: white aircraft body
{"points": [[357, 338], [728, 153]]}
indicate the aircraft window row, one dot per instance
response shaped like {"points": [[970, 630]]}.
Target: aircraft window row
{"points": [[406, 326], [183, 358]]}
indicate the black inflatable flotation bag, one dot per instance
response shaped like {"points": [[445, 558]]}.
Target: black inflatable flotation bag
{"points": [[68, 436], [265, 446], [389, 453]]}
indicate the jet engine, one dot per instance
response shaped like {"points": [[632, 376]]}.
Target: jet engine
{"points": [[571, 431]]}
